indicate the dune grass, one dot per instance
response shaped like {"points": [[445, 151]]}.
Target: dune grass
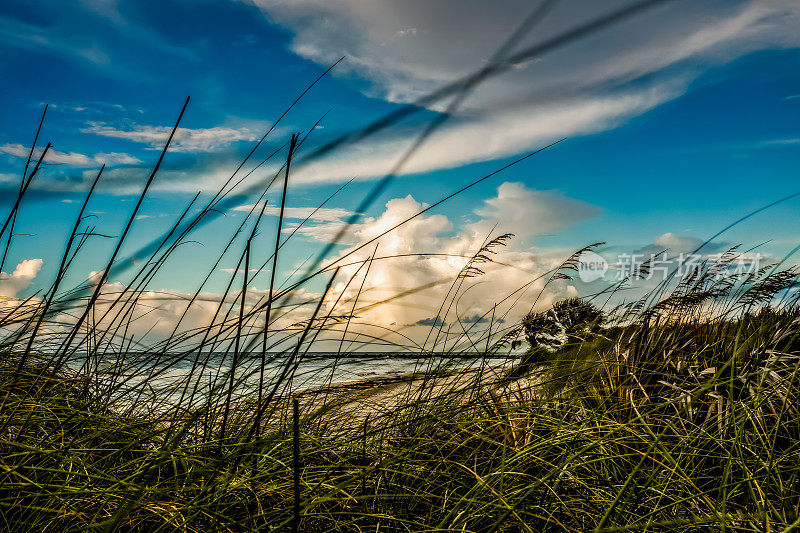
{"points": [[689, 427], [677, 412]]}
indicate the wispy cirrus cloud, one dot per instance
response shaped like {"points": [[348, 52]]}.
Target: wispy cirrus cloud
{"points": [[486, 135], [38, 29], [185, 140], [315, 214], [93, 107], [405, 49], [74, 159], [317, 223], [783, 142]]}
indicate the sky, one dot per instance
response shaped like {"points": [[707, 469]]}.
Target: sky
{"points": [[673, 123]]}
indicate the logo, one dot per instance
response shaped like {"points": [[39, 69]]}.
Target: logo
{"points": [[591, 266]]}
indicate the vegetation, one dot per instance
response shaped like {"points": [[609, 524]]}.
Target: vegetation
{"points": [[568, 322], [689, 426], [676, 412]]}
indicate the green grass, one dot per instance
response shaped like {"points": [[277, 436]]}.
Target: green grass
{"points": [[636, 433]]}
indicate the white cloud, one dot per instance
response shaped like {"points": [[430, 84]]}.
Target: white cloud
{"points": [[427, 252], [154, 315], [127, 180], [321, 224], [316, 214], [407, 48], [117, 158], [95, 276], [240, 271], [677, 244], [451, 38], [93, 107], [783, 142], [185, 140], [516, 209], [74, 159], [20, 279], [94, 54], [529, 213], [444, 251], [485, 137]]}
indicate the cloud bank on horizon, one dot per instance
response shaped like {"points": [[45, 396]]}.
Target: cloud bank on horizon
{"points": [[410, 271], [395, 52]]}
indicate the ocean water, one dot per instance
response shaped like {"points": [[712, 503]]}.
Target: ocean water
{"points": [[312, 370]]}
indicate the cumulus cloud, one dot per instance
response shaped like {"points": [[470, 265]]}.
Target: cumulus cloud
{"points": [[528, 213], [410, 276], [20, 279], [155, 316], [74, 159], [406, 48], [669, 257], [417, 263], [185, 140]]}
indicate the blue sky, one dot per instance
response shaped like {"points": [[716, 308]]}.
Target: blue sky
{"points": [[677, 122]]}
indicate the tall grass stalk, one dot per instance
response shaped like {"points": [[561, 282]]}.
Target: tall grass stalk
{"points": [[677, 411]]}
